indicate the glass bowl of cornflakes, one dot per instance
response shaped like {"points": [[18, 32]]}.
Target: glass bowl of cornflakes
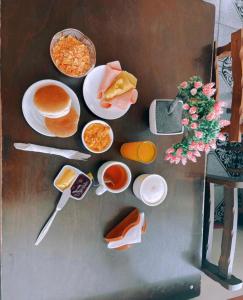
{"points": [[73, 53], [97, 136]]}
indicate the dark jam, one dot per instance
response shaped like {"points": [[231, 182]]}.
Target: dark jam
{"points": [[80, 186]]}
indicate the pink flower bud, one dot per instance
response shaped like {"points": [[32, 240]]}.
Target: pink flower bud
{"points": [[193, 92], [217, 106], [197, 84], [194, 117], [211, 116], [183, 160], [189, 154], [210, 85], [192, 110], [221, 137], [185, 122], [170, 150], [173, 159], [178, 159], [223, 123], [208, 90], [193, 159], [212, 144], [200, 146], [194, 125], [197, 153], [186, 106], [179, 151], [183, 85], [199, 134], [168, 157]]}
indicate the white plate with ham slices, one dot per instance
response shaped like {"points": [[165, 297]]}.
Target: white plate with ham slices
{"points": [[91, 88]]}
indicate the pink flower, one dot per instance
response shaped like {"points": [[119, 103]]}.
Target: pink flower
{"points": [[168, 157], [199, 134], [173, 159], [194, 117], [221, 137], [211, 116], [183, 85], [189, 154], [191, 157], [217, 106], [209, 92], [212, 144], [197, 84], [179, 152], [210, 85], [170, 150], [200, 146], [183, 160], [193, 145], [193, 92], [192, 110], [185, 122], [208, 89], [178, 159], [224, 123], [186, 106], [194, 125], [197, 153]]}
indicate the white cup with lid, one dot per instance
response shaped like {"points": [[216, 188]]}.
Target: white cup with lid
{"points": [[150, 188]]}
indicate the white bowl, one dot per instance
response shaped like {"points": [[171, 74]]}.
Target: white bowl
{"points": [[99, 122]]}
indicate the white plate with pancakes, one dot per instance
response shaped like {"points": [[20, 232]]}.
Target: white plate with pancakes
{"points": [[90, 91], [65, 102]]}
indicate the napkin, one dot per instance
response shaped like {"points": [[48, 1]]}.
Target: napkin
{"points": [[133, 236], [128, 232], [70, 154]]}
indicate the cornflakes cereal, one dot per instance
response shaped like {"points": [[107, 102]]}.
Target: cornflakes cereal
{"points": [[71, 56], [97, 137]]}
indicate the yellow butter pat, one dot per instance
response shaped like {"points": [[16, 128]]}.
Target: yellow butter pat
{"points": [[66, 179]]}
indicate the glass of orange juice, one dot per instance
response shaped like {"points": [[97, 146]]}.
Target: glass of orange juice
{"points": [[144, 152]]}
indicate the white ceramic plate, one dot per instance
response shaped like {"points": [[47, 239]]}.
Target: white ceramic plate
{"points": [[31, 114], [90, 90]]}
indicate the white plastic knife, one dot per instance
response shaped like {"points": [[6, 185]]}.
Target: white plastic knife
{"points": [[61, 203]]}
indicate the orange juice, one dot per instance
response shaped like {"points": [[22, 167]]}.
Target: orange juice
{"points": [[144, 152]]}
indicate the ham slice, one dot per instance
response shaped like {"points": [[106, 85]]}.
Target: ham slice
{"points": [[122, 101], [112, 70]]}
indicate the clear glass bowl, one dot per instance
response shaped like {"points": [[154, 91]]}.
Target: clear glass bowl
{"points": [[82, 38]]}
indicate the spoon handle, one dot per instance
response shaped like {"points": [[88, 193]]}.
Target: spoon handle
{"points": [[45, 228]]}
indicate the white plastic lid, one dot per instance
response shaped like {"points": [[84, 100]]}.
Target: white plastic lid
{"points": [[153, 189]]}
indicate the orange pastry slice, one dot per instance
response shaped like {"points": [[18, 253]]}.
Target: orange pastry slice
{"points": [[65, 126]]}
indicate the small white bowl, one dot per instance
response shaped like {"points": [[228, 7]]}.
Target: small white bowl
{"points": [[97, 122]]}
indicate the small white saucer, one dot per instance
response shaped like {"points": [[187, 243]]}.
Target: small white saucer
{"points": [[90, 90], [31, 114]]}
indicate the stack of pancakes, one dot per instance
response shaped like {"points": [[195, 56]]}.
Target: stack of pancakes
{"points": [[55, 105]]}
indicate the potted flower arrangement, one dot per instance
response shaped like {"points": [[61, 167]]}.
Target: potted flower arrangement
{"points": [[201, 120]]}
